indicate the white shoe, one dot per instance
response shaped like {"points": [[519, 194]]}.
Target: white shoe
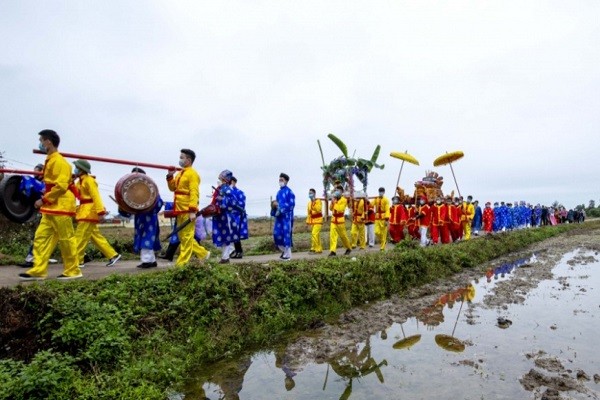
{"points": [[53, 261], [82, 266]]}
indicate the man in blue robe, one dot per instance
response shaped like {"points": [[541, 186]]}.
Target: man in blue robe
{"points": [[477, 218], [283, 211], [146, 238], [225, 225], [241, 219], [497, 224]]}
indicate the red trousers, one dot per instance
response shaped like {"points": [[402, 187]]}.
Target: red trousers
{"points": [[396, 232], [413, 231]]}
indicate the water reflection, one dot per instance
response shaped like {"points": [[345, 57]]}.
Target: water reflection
{"points": [[434, 315], [506, 268], [359, 372], [406, 342], [354, 364]]}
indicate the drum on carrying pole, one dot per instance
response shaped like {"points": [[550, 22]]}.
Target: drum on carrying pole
{"points": [[14, 204], [136, 193], [210, 210]]}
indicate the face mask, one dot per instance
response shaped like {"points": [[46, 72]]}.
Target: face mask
{"points": [[311, 196], [421, 202], [438, 202], [381, 194], [76, 171], [42, 148], [281, 183], [181, 163]]}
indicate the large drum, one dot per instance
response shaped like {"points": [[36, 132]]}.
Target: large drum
{"points": [[136, 193], [14, 204]]}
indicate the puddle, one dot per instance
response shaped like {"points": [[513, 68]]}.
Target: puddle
{"points": [[465, 345]]}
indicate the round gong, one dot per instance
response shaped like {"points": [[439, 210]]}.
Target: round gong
{"points": [[14, 204], [136, 193]]}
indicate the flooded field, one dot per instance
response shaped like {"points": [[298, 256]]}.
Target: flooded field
{"points": [[502, 335]]}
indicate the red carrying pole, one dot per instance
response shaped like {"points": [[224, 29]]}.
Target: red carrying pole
{"points": [[114, 160], [20, 171]]}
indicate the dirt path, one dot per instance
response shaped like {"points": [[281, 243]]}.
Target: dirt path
{"points": [[9, 274]]}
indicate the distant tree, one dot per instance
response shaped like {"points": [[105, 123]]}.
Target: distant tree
{"points": [[2, 160], [592, 204], [556, 204]]}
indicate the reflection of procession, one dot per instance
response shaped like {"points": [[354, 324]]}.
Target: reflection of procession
{"points": [[354, 364], [433, 315]]}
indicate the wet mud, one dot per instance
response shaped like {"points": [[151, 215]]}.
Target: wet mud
{"points": [[548, 377]]}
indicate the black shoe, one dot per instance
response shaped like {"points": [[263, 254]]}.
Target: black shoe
{"points": [[223, 261], [148, 265], [348, 251], [63, 277], [86, 258], [236, 254], [332, 254], [282, 253], [113, 260], [26, 264], [27, 277]]}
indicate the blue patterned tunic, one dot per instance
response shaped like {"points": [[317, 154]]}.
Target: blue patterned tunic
{"points": [[32, 187], [477, 219], [284, 217], [225, 226], [147, 229], [239, 214]]}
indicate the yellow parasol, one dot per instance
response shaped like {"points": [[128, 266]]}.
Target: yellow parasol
{"points": [[449, 342], [407, 342], [449, 158], [404, 157]]}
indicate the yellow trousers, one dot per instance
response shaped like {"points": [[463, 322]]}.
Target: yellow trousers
{"points": [[357, 232], [338, 231], [315, 238], [466, 230], [381, 232], [54, 229], [189, 245], [87, 231]]}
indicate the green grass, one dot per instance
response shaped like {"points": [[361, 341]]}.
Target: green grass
{"points": [[138, 336]]}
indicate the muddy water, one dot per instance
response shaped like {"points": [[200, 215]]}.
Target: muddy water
{"points": [[464, 345]]}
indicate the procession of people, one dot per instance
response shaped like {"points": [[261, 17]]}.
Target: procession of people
{"points": [[58, 188]]}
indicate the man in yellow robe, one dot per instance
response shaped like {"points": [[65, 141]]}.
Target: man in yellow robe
{"points": [[314, 218], [88, 215], [186, 186], [382, 216], [57, 207]]}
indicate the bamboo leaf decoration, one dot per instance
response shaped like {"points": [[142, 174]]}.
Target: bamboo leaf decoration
{"points": [[339, 144]]}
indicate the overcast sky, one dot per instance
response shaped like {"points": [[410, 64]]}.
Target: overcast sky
{"points": [[252, 85]]}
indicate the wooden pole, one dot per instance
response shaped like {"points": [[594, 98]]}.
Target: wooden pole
{"points": [[115, 161], [20, 171], [456, 183]]}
